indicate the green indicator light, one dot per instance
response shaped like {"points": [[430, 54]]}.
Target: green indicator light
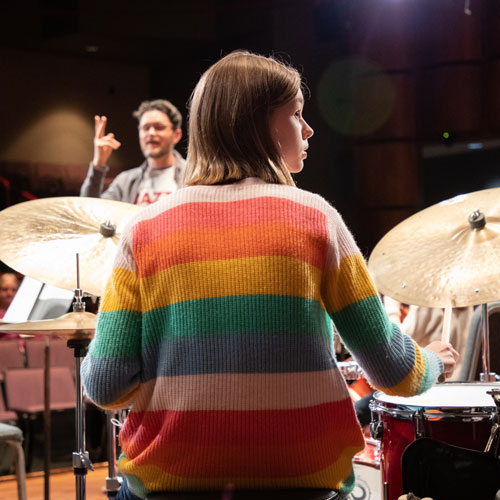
{"points": [[446, 135]]}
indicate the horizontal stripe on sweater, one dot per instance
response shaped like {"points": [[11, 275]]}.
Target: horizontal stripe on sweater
{"points": [[201, 280], [257, 353], [206, 317], [151, 478], [211, 443], [231, 214], [241, 391], [231, 243]]}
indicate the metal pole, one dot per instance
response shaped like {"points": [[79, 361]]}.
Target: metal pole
{"points": [[81, 461], [46, 421], [112, 482], [486, 375]]}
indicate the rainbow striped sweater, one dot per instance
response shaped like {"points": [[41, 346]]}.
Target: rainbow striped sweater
{"points": [[215, 329]]}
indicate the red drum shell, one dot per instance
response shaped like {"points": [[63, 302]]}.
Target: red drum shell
{"points": [[457, 413]]}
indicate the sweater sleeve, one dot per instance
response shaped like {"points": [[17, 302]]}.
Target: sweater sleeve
{"points": [[392, 361], [112, 369]]}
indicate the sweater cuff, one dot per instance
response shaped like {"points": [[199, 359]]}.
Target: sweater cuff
{"points": [[98, 168]]}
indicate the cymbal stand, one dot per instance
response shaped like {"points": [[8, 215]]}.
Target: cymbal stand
{"points": [[112, 482], [486, 375], [81, 460]]}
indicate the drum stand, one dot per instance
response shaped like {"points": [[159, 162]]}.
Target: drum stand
{"points": [[81, 460], [112, 482], [486, 375]]}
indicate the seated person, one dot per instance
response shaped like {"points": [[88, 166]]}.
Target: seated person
{"points": [[425, 324], [9, 283]]}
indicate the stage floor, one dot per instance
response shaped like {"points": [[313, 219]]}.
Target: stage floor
{"points": [[62, 484]]}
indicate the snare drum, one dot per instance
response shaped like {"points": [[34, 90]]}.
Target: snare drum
{"points": [[459, 413]]}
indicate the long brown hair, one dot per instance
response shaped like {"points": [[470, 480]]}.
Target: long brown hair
{"points": [[229, 133]]}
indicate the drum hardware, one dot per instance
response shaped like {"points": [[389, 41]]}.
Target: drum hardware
{"points": [[465, 229], [494, 439], [486, 375], [418, 424], [350, 370], [376, 429], [81, 460], [112, 484], [448, 251], [439, 414], [40, 238]]}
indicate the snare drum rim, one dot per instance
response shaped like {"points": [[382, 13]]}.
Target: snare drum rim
{"points": [[398, 410]]}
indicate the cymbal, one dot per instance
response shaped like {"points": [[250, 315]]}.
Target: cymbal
{"points": [[70, 325], [40, 239], [447, 254]]}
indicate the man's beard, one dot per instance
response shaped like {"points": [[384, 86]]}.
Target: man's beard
{"points": [[157, 154]]}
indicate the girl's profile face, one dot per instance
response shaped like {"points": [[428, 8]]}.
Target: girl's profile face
{"points": [[291, 132]]}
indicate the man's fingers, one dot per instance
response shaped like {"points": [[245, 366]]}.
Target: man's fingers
{"points": [[100, 125], [108, 141]]}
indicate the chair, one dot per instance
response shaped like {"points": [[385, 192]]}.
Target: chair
{"points": [[472, 364], [10, 356], [13, 436], [25, 391], [25, 395], [6, 416], [60, 354]]}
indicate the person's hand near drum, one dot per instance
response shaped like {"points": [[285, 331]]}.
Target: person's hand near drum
{"points": [[447, 354]]}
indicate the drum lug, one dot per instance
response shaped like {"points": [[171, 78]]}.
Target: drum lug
{"points": [[418, 423], [377, 430], [492, 439]]}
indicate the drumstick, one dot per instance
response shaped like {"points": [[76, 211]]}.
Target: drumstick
{"points": [[445, 335]]}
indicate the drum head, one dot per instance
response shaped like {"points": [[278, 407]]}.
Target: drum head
{"points": [[447, 395]]}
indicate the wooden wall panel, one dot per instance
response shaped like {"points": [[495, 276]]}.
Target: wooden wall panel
{"points": [[446, 33], [401, 122], [451, 100], [377, 222], [493, 95], [491, 17], [387, 174]]}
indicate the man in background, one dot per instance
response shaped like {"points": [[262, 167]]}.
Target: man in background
{"points": [[9, 283], [162, 171], [425, 324]]}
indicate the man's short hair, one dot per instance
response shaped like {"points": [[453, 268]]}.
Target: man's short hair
{"points": [[162, 105]]}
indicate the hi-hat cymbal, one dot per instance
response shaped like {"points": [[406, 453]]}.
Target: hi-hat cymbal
{"points": [[443, 255], [40, 239], [71, 325]]}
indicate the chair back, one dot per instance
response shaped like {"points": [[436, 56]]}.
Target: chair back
{"points": [[25, 389], [10, 355], [6, 416]]}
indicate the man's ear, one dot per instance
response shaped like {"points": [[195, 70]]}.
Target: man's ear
{"points": [[177, 135]]}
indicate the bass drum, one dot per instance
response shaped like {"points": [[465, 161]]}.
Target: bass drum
{"points": [[367, 470], [459, 413]]}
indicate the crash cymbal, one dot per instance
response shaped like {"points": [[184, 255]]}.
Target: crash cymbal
{"points": [[40, 239], [448, 253], [71, 325]]}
